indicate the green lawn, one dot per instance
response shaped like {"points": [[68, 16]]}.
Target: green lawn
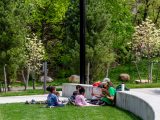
{"points": [[38, 112]]}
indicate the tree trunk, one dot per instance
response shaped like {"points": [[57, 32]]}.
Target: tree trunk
{"points": [[33, 83], [24, 80], [156, 19], [88, 73], [45, 75], [150, 66], [138, 72], [33, 80], [135, 12], [151, 72], [27, 79], [157, 74], [146, 10], [5, 78], [107, 74]]}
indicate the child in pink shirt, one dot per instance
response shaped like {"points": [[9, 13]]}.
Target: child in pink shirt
{"points": [[80, 99]]}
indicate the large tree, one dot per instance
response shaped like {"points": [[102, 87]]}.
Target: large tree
{"points": [[142, 9], [12, 37], [47, 23], [146, 43], [109, 26], [46, 15], [34, 55]]}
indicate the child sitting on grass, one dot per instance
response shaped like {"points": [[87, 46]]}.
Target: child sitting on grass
{"points": [[75, 93], [52, 99], [80, 99]]}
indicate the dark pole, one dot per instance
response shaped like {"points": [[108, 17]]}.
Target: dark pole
{"points": [[82, 41]]}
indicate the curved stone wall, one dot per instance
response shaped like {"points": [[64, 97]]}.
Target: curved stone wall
{"points": [[138, 103]]}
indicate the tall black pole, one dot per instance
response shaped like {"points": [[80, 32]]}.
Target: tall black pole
{"points": [[82, 41]]}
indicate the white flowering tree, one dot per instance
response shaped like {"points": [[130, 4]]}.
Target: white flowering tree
{"points": [[34, 55], [146, 43]]}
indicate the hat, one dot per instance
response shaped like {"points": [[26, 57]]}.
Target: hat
{"points": [[106, 80]]}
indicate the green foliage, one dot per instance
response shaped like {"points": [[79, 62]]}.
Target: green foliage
{"points": [[99, 52], [12, 36], [109, 26], [52, 11], [46, 18], [142, 9], [121, 29], [56, 23], [47, 23]]}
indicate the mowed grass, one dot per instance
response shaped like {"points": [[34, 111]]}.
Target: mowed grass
{"points": [[23, 111]]}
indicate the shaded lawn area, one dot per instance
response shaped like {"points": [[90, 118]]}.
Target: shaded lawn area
{"points": [[39, 112], [56, 82]]}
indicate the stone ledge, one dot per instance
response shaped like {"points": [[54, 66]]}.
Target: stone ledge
{"points": [[145, 106], [68, 88]]}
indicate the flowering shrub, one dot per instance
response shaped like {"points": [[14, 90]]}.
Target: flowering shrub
{"points": [[35, 53], [146, 40]]}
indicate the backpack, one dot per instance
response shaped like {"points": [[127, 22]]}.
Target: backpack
{"points": [[97, 83]]}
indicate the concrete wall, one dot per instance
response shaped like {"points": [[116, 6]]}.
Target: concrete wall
{"points": [[135, 103]]}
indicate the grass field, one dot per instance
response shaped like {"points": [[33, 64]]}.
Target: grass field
{"points": [[22, 111]]}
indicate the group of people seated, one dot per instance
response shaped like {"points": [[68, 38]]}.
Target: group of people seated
{"points": [[106, 97]]}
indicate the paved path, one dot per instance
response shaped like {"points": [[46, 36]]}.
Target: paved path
{"points": [[18, 99], [150, 91]]}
